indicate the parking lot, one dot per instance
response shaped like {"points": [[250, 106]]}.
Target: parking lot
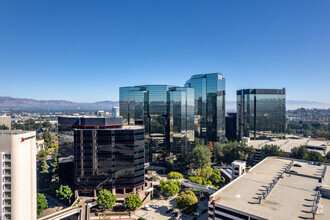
{"points": [[164, 205]]}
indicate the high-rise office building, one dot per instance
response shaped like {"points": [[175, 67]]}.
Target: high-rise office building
{"points": [[18, 192], [231, 126], [167, 112], [107, 155], [209, 106], [261, 113]]}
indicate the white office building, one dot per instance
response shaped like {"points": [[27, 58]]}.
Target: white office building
{"points": [[18, 175]]}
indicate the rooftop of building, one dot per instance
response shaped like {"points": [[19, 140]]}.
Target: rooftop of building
{"points": [[238, 162], [261, 91], [292, 141], [13, 132], [291, 197]]}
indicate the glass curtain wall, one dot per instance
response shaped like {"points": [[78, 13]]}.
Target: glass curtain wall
{"points": [[261, 113], [167, 113], [209, 106]]}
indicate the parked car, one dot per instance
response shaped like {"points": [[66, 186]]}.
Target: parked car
{"points": [[147, 208], [197, 214], [153, 205], [296, 165], [174, 214]]}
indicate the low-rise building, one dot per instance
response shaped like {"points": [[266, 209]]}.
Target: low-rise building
{"points": [[276, 188]]}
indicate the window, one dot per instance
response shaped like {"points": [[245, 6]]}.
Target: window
{"points": [[8, 194], [7, 156], [7, 171], [7, 179], [7, 164], [7, 186], [231, 213], [7, 201], [8, 216], [8, 209]]}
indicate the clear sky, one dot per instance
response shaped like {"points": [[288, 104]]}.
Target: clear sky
{"points": [[85, 50]]}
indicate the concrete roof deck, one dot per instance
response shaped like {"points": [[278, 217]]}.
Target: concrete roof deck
{"points": [[291, 198], [291, 142], [13, 132]]}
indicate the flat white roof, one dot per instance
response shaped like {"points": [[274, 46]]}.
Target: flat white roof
{"points": [[291, 197]]}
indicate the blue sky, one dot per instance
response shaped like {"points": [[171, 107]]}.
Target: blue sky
{"points": [[85, 50]]}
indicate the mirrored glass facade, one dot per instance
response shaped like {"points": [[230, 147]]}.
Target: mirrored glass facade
{"points": [[167, 113], [261, 113], [209, 106], [109, 158]]}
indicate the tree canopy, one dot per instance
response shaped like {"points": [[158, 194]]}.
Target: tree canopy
{"points": [[186, 199], [175, 175], [170, 187], [133, 202], [304, 154], [106, 199], [64, 193], [42, 203], [3, 127], [200, 156], [272, 150], [232, 150]]}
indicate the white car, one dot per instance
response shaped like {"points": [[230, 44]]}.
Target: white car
{"points": [[146, 207], [153, 205], [196, 214]]}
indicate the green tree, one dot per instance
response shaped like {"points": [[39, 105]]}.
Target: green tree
{"points": [[42, 203], [3, 127], [299, 153], [186, 199], [64, 193], [218, 151], [175, 175], [328, 156], [315, 156], [201, 157], [216, 177], [54, 162], [46, 124], [170, 187], [133, 202], [106, 199], [272, 150], [206, 173], [47, 138]]}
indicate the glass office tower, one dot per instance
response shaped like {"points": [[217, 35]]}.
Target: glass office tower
{"points": [[261, 113], [209, 106], [167, 112]]}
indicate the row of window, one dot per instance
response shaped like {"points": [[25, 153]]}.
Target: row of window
{"points": [[219, 216]]}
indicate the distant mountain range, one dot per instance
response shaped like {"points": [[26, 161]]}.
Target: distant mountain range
{"points": [[290, 105], [22, 103]]}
